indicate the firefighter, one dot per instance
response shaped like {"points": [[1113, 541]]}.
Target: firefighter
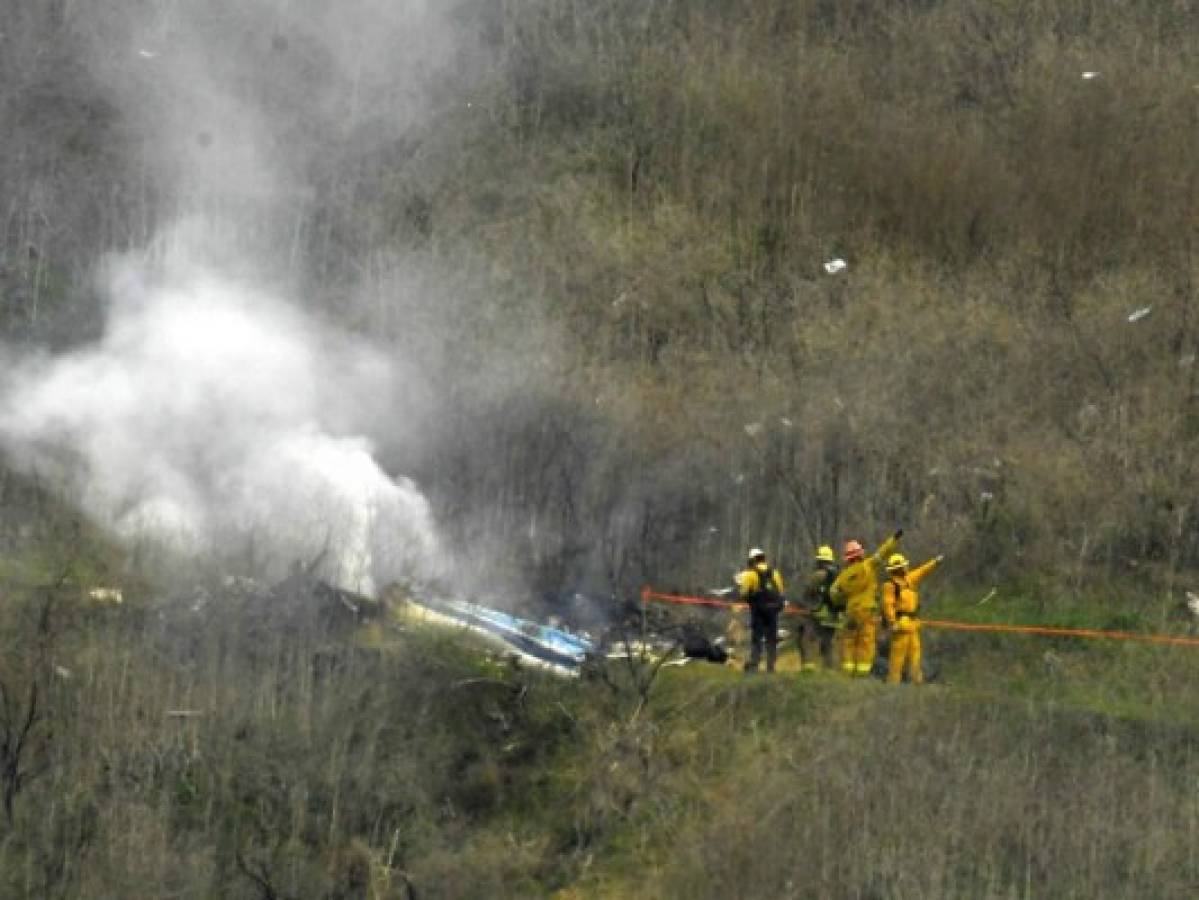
{"points": [[901, 610], [821, 618], [762, 588], [856, 588]]}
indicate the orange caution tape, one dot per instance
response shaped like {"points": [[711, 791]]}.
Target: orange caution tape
{"points": [[648, 595]]}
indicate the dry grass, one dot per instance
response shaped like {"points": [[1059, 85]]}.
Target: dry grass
{"points": [[623, 233], [923, 795], [309, 764]]}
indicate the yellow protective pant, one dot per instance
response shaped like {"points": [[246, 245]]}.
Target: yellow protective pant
{"points": [[859, 641], [905, 651]]}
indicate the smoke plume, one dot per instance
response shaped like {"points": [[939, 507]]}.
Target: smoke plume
{"points": [[211, 418]]}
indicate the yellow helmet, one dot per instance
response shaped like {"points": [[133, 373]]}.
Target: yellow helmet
{"points": [[897, 561], [825, 554]]}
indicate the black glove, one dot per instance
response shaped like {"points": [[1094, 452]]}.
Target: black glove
{"points": [[899, 534]]}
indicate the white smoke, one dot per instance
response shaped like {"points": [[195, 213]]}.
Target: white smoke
{"points": [[212, 417]]}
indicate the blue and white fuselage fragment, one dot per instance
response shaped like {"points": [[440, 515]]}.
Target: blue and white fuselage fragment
{"points": [[532, 642]]}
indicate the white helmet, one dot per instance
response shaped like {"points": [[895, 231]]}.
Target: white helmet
{"points": [[757, 552]]}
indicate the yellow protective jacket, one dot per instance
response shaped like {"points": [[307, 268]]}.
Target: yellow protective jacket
{"points": [[749, 582], [856, 588], [901, 598]]}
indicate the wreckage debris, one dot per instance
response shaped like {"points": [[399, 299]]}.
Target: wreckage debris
{"points": [[106, 595], [530, 641]]}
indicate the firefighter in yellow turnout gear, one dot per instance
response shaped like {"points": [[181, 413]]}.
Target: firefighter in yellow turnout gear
{"points": [[856, 588], [821, 619], [761, 587], [901, 609]]}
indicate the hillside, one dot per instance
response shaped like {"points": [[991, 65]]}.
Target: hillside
{"points": [[619, 214], [204, 747], [530, 302]]}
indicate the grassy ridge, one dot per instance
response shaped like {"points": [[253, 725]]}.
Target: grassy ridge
{"points": [[218, 753]]}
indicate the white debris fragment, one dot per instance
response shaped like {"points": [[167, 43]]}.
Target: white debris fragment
{"points": [[1193, 603], [1139, 314], [986, 497], [785, 422], [1187, 360], [106, 595], [833, 266], [753, 429], [148, 54], [1088, 76], [62, 672]]}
